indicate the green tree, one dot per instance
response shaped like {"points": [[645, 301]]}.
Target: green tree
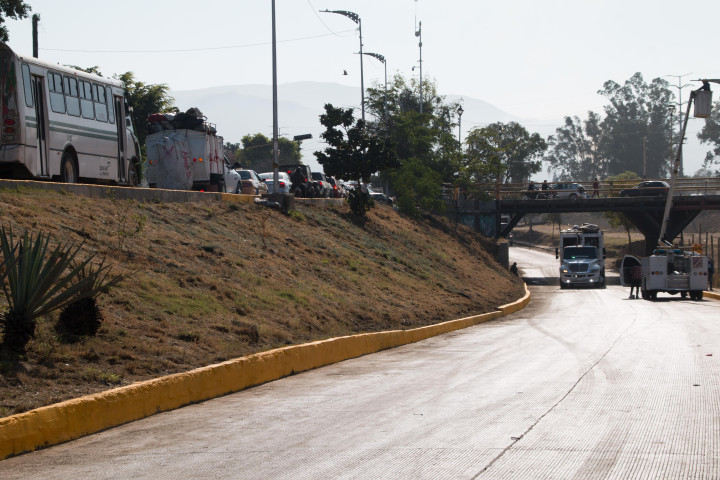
{"points": [[637, 127], [15, 9], [509, 148], [710, 134], [618, 219], [257, 152], [353, 152], [144, 100], [574, 150], [426, 143]]}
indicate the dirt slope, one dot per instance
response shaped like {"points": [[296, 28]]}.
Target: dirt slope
{"points": [[220, 280]]}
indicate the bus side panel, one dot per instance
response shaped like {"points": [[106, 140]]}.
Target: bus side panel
{"points": [[100, 139]]}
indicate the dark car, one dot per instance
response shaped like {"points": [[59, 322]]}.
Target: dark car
{"points": [[302, 181], [653, 188]]}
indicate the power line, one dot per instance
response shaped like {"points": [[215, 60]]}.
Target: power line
{"points": [[180, 50]]}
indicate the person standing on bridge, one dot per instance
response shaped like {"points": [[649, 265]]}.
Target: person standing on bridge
{"points": [[635, 280], [596, 188]]}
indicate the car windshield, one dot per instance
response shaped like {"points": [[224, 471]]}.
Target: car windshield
{"points": [[580, 253], [317, 175], [245, 175]]}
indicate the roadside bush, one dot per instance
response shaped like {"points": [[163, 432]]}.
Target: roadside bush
{"points": [[38, 280]]}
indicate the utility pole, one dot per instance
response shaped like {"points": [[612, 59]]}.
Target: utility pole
{"points": [[418, 33], [35, 21]]}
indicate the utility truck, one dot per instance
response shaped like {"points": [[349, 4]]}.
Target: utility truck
{"points": [[674, 269], [670, 269], [185, 153], [582, 256]]}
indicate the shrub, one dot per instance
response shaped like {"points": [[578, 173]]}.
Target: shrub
{"points": [[37, 282]]}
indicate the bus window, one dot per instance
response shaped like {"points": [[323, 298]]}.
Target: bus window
{"points": [[27, 85], [71, 96], [57, 99], [111, 108], [86, 100], [100, 103]]}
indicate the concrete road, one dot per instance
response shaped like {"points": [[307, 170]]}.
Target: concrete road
{"points": [[580, 384]]}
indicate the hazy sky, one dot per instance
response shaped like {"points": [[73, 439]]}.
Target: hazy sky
{"points": [[539, 59]]}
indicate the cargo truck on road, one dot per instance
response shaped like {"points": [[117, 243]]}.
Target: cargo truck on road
{"points": [[582, 256]]}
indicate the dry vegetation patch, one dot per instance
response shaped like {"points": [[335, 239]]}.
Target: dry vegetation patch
{"points": [[214, 281]]}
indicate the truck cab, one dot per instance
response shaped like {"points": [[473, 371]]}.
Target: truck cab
{"points": [[582, 256]]}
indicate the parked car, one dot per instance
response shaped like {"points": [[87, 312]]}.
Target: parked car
{"points": [[379, 196], [284, 182], [231, 178], [250, 183], [304, 186], [570, 190], [325, 187], [338, 190], [652, 188]]}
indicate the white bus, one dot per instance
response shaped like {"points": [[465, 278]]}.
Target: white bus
{"points": [[63, 124]]}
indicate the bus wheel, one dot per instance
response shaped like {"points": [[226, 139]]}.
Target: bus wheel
{"points": [[133, 179], [68, 172]]}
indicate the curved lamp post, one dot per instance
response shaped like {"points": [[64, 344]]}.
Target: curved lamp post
{"points": [[355, 18], [382, 59]]}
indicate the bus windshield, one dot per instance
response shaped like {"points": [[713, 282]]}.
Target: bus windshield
{"points": [[580, 253]]}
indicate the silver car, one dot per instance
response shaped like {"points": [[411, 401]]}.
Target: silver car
{"points": [[572, 191], [284, 182]]}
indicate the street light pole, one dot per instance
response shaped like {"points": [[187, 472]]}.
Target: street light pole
{"points": [[460, 111], [276, 153], [355, 18], [382, 59], [418, 33]]}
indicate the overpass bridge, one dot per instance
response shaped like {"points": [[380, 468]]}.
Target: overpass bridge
{"points": [[645, 212]]}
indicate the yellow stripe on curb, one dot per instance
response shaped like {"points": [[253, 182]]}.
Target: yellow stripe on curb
{"points": [[75, 418]]}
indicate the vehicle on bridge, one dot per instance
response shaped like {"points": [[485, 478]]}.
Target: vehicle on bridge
{"points": [[653, 188], [671, 270], [582, 256], [572, 191], [64, 124]]}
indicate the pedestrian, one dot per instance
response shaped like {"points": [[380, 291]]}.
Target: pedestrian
{"points": [[635, 280], [596, 188], [711, 272], [514, 269]]}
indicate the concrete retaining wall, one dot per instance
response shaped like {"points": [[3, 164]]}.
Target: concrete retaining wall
{"points": [[75, 418]]}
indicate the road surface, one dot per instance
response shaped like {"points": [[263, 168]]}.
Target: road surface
{"points": [[580, 384]]}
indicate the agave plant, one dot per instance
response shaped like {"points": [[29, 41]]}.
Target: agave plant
{"points": [[82, 316], [38, 281]]}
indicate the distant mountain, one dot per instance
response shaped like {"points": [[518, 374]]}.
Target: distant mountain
{"points": [[239, 110]]}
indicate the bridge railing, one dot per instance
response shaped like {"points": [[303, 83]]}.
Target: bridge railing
{"points": [[518, 191]]}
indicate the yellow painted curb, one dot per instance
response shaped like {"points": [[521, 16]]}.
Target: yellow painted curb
{"points": [[713, 295], [75, 418]]}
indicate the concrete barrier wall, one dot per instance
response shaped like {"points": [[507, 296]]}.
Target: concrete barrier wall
{"points": [[75, 418]]}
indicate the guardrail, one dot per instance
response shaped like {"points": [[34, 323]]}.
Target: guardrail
{"points": [[508, 191]]}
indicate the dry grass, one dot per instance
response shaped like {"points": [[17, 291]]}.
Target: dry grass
{"points": [[215, 281]]}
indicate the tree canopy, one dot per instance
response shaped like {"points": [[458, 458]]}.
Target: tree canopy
{"points": [[15, 9], [635, 134], [257, 150], [353, 152], [145, 99]]}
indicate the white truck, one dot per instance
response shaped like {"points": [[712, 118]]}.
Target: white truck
{"points": [[188, 158], [669, 269], [582, 256]]}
